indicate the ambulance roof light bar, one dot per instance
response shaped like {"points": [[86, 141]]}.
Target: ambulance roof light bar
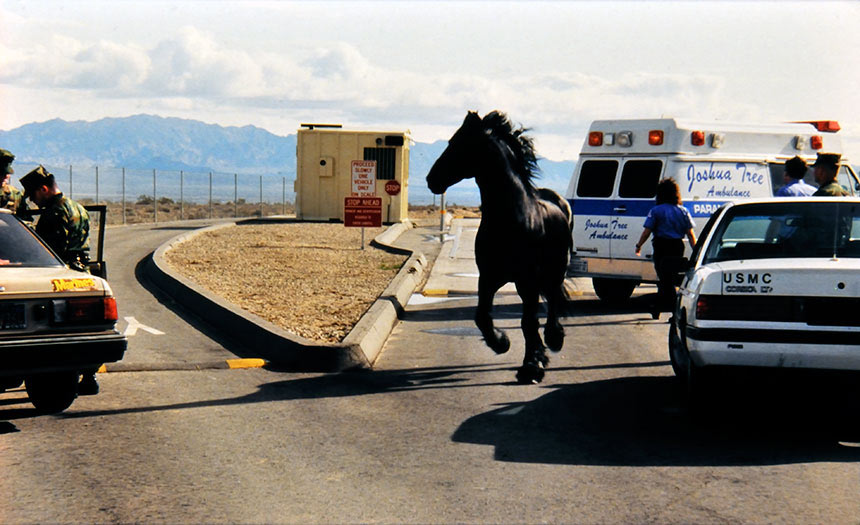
{"points": [[831, 126]]}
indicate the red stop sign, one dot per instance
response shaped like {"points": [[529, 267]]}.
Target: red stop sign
{"points": [[392, 187]]}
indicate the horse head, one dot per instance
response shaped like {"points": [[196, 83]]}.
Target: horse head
{"points": [[458, 160]]}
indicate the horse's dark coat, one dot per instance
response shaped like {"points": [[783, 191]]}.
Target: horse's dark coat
{"points": [[525, 231]]}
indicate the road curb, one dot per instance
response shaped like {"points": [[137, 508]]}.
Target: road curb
{"points": [[359, 349]]}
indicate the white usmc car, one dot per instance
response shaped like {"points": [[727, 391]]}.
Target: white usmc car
{"points": [[771, 283], [55, 322]]}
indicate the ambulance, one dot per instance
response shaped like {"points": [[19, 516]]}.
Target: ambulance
{"points": [[615, 182]]}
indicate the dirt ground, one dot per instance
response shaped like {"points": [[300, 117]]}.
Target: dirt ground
{"points": [[312, 279]]}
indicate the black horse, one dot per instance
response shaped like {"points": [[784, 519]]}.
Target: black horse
{"points": [[524, 236]]}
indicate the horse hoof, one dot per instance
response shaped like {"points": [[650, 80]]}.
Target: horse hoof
{"points": [[530, 374], [502, 344], [554, 338]]}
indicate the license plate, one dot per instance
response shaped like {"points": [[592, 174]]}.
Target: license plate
{"points": [[12, 316], [579, 265]]}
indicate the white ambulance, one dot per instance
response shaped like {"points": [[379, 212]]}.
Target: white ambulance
{"points": [[615, 182]]}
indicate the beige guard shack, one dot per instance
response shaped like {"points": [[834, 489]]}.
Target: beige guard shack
{"points": [[323, 173]]}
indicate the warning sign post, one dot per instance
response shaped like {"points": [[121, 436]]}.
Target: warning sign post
{"points": [[362, 212], [363, 178]]}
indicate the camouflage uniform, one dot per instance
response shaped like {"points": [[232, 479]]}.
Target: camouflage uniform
{"points": [[11, 198], [65, 226], [831, 190]]}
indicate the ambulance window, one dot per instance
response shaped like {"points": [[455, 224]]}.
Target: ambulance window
{"points": [[639, 179], [845, 180], [597, 178]]}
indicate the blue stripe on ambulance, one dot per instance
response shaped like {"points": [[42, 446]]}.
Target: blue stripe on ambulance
{"points": [[635, 207]]}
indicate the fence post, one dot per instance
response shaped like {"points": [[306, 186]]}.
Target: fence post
{"points": [[210, 194], [235, 195], [154, 198], [123, 195], [181, 195]]}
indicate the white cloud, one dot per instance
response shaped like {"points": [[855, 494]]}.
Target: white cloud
{"points": [[279, 64]]}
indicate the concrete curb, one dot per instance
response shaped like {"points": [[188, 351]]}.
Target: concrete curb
{"points": [[359, 349]]}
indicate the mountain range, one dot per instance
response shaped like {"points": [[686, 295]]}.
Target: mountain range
{"points": [[147, 142]]}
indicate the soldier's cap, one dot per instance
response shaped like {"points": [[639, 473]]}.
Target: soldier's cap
{"points": [[828, 160], [36, 179], [6, 159], [795, 167]]}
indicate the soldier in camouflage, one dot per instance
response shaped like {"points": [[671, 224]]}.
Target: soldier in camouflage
{"points": [[10, 197], [65, 226], [826, 168]]}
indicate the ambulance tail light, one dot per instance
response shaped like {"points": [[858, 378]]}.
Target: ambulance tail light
{"points": [[595, 138], [697, 138], [816, 141], [830, 126], [655, 137]]}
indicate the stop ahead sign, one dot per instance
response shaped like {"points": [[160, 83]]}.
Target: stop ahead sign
{"points": [[362, 211], [392, 187]]}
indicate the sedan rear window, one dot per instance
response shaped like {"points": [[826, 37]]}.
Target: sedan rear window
{"points": [[790, 230], [19, 246]]}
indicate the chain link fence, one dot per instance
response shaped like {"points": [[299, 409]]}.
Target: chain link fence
{"points": [[136, 195]]}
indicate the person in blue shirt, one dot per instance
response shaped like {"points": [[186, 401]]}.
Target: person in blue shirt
{"points": [[795, 169], [670, 222]]}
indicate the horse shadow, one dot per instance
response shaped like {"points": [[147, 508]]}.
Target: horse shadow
{"points": [[640, 421]]}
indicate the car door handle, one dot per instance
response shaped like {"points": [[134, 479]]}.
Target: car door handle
{"points": [[620, 209]]}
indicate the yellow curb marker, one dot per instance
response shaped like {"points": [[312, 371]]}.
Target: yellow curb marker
{"points": [[434, 292], [102, 369], [246, 363]]}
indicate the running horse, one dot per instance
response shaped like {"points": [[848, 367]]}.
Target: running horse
{"points": [[524, 236]]}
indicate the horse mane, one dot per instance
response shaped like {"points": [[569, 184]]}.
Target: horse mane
{"points": [[501, 128]]}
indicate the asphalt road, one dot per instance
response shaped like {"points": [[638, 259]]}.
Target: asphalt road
{"points": [[438, 433]]}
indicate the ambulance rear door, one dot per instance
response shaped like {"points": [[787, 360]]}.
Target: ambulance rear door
{"points": [[637, 188], [592, 204], [611, 200]]}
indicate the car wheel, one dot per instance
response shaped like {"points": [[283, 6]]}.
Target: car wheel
{"points": [[613, 290], [677, 352], [52, 393]]}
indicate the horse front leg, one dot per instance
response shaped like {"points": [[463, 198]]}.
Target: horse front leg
{"points": [[495, 338], [535, 360]]}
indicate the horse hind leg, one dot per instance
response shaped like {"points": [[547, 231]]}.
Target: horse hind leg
{"points": [[495, 338], [535, 361], [553, 332]]}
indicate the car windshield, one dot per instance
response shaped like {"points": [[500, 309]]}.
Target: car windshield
{"points": [[20, 247], [787, 230]]}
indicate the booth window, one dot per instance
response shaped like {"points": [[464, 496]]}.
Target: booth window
{"points": [[384, 158]]}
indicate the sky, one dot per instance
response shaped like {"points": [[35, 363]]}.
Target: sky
{"points": [[421, 65]]}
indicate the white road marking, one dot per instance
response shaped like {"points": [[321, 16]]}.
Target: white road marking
{"points": [[511, 411], [133, 326]]}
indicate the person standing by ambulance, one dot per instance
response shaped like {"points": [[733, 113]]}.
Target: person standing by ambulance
{"points": [[795, 170], [826, 168], [670, 222]]}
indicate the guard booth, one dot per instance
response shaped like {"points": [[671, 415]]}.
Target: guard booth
{"points": [[324, 175]]}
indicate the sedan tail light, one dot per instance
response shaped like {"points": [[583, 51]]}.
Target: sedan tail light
{"points": [[82, 310]]}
